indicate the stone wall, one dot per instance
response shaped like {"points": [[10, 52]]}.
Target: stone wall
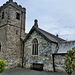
{"points": [[10, 9], [3, 41], [4, 21], [59, 62], [45, 49], [59, 59], [12, 17], [13, 46], [10, 46], [10, 31]]}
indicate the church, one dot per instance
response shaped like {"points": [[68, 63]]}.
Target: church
{"points": [[20, 49]]}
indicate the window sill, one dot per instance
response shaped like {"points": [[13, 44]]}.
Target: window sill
{"points": [[34, 55]]}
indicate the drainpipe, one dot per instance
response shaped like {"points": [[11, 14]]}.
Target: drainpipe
{"points": [[23, 55], [53, 55], [22, 40]]}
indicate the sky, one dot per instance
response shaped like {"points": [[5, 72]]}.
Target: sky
{"points": [[54, 16]]}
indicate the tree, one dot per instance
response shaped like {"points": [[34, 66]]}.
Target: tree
{"points": [[70, 61], [2, 66]]}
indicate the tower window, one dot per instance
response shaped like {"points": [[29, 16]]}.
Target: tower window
{"points": [[3, 15], [17, 32], [0, 46], [35, 47], [18, 16]]}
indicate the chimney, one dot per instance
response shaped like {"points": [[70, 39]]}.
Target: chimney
{"points": [[36, 22], [57, 35]]}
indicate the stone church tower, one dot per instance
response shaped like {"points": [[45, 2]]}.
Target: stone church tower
{"points": [[12, 27]]}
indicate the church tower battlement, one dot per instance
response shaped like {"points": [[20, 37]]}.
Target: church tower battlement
{"points": [[13, 14], [12, 27]]}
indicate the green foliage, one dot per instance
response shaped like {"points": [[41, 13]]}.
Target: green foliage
{"points": [[2, 66], [70, 61]]}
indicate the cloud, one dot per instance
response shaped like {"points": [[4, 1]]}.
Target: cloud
{"points": [[54, 16], [2, 2]]}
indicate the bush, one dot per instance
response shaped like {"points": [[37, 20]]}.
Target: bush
{"points": [[2, 66], [70, 61]]}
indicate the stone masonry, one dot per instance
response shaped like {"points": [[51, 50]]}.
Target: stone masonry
{"points": [[44, 56], [11, 29], [59, 62], [13, 41]]}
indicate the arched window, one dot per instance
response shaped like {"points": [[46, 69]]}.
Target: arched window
{"points": [[35, 47]]}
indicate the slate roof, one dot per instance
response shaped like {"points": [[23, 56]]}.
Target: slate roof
{"points": [[48, 36], [65, 46]]}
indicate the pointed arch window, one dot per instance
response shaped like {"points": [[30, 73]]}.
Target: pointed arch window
{"points": [[35, 47]]}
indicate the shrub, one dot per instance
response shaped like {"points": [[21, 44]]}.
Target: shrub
{"points": [[2, 66], [70, 61]]}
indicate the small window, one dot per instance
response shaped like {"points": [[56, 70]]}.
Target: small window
{"points": [[0, 46], [3, 15], [18, 16], [35, 47], [17, 32]]}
